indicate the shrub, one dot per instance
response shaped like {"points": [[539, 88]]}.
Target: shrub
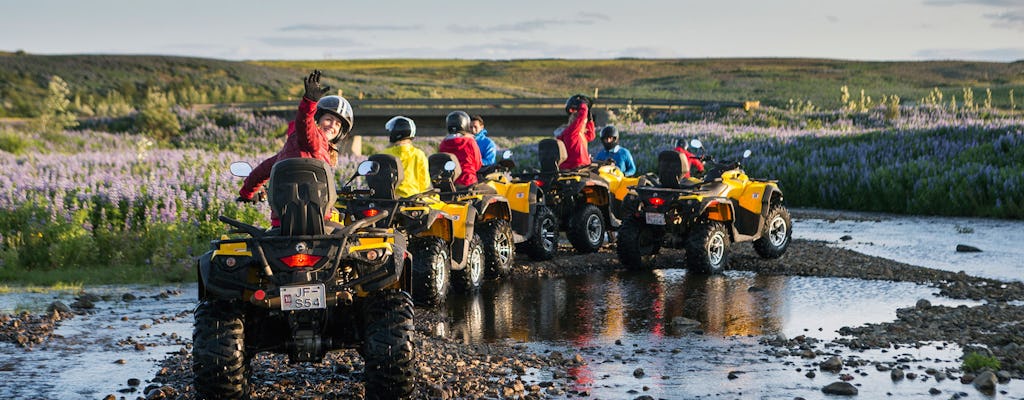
{"points": [[974, 362]]}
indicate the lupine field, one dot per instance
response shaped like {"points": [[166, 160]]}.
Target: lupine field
{"points": [[118, 202]]}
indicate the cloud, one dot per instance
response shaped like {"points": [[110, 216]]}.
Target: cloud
{"points": [[994, 3], [1006, 54], [584, 19], [832, 18], [338, 28], [280, 41], [1013, 19]]}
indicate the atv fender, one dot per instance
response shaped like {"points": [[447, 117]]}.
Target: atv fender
{"points": [[493, 206], [220, 281], [460, 240]]}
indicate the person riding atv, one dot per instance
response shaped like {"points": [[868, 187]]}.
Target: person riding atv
{"points": [[703, 216], [534, 226], [303, 288], [442, 239]]}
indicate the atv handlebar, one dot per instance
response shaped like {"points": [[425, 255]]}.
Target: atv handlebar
{"points": [[242, 227]]}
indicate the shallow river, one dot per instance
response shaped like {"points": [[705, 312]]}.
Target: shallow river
{"points": [[618, 321]]}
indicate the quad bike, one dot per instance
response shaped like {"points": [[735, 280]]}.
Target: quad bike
{"points": [[303, 289], [586, 201], [444, 245], [703, 216], [534, 225], [493, 213]]}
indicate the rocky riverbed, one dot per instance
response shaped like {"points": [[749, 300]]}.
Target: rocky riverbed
{"points": [[450, 368]]}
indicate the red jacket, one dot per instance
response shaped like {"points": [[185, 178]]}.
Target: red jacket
{"points": [[465, 149], [575, 137], [311, 143], [694, 161]]}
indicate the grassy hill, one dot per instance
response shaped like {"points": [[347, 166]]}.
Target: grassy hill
{"points": [[23, 78]]}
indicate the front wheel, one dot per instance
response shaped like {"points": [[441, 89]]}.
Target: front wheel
{"points": [[707, 248], [775, 234], [637, 244], [499, 247], [219, 363], [543, 242], [388, 348], [430, 264], [471, 276], [586, 229]]}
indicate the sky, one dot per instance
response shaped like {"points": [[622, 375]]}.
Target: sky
{"points": [[868, 30]]}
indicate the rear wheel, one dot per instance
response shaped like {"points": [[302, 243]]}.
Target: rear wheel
{"points": [[499, 247], [388, 348], [543, 242], [707, 248], [586, 229], [219, 363], [430, 263], [637, 244], [775, 234], [471, 276]]}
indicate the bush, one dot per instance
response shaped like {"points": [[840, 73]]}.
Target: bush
{"points": [[974, 362]]}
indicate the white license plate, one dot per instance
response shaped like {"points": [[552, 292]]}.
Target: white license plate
{"points": [[655, 218], [305, 297]]}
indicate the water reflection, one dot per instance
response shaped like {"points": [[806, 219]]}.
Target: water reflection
{"points": [[601, 307]]}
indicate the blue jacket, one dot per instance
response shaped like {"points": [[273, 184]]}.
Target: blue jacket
{"points": [[622, 157], [488, 151]]}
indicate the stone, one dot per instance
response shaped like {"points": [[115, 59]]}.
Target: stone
{"points": [[833, 364], [840, 389], [963, 248], [846, 238], [896, 374], [985, 382], [923, 304]]}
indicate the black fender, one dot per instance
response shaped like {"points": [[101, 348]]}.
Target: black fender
{"points": [[219, 281]]}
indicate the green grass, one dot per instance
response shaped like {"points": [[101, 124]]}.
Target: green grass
{"points": [[69, 278], [974, 362], [33, 288]]}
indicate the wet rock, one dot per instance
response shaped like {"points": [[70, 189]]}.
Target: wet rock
{"points": [[638, 373], [644, 397], [985, 382], [934, 391], [840, 389], [128, 297], [134, 382], [963, 248], [58, 306], [810, 374], [1003, 377], [896, 374], [833, 364], [846, 238], [83, 303], [923, 304], [734, 374]]}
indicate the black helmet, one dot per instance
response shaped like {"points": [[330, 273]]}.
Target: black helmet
{"points": [[575, 101], [340, 108], [609, 137], [400, 128], [458, 121]]}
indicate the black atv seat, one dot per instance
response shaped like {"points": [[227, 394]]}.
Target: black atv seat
{"points": [[388, 176], [302, 193], [672, 168], [551, 153], [443, 181]]}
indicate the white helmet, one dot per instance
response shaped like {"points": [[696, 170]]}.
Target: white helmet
{"points": [[339, 107]]}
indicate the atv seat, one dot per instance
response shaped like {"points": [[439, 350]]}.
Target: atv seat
{"points": [[672, 168], [443, 180], [302, 193], [388, 176], [551, 153]]}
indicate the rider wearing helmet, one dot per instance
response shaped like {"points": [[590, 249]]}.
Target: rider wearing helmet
{"points": [[401, 132], [613, 151], [577, 133], [461, 142], [321, 122], [696, 166]]}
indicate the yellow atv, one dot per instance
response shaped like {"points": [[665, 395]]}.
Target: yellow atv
{"points": [[534, 225], [494, 215], [303, 289], [442, 237], [587, 200], [703, 216]]}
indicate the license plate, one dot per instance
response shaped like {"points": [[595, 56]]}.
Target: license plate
{"points": [[655, 218], [304, 297]]}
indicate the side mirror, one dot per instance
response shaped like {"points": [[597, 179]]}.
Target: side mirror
{"points": [[506, 155], [746, 153], [696, 143], [241, 169], [368, 168], [449, 166]]}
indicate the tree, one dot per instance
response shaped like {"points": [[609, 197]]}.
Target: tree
{"points": [[155, 117], [56, 114]]}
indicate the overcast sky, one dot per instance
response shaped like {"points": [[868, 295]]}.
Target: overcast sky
{"points": [[987, 30]]}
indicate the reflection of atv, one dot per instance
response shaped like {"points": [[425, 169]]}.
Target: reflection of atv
{"points": [[534, 226], [703, 216], [303, 289], [441, 235], [493, 214], [586, 200]]}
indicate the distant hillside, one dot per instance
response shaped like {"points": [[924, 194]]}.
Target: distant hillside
{"points": [[23, 78]]}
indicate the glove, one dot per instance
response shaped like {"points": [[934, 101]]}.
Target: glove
{"points": [[313, 89], [241, 199]]}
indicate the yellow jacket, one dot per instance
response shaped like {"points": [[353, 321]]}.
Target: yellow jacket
{"points": [[414, 167]]}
